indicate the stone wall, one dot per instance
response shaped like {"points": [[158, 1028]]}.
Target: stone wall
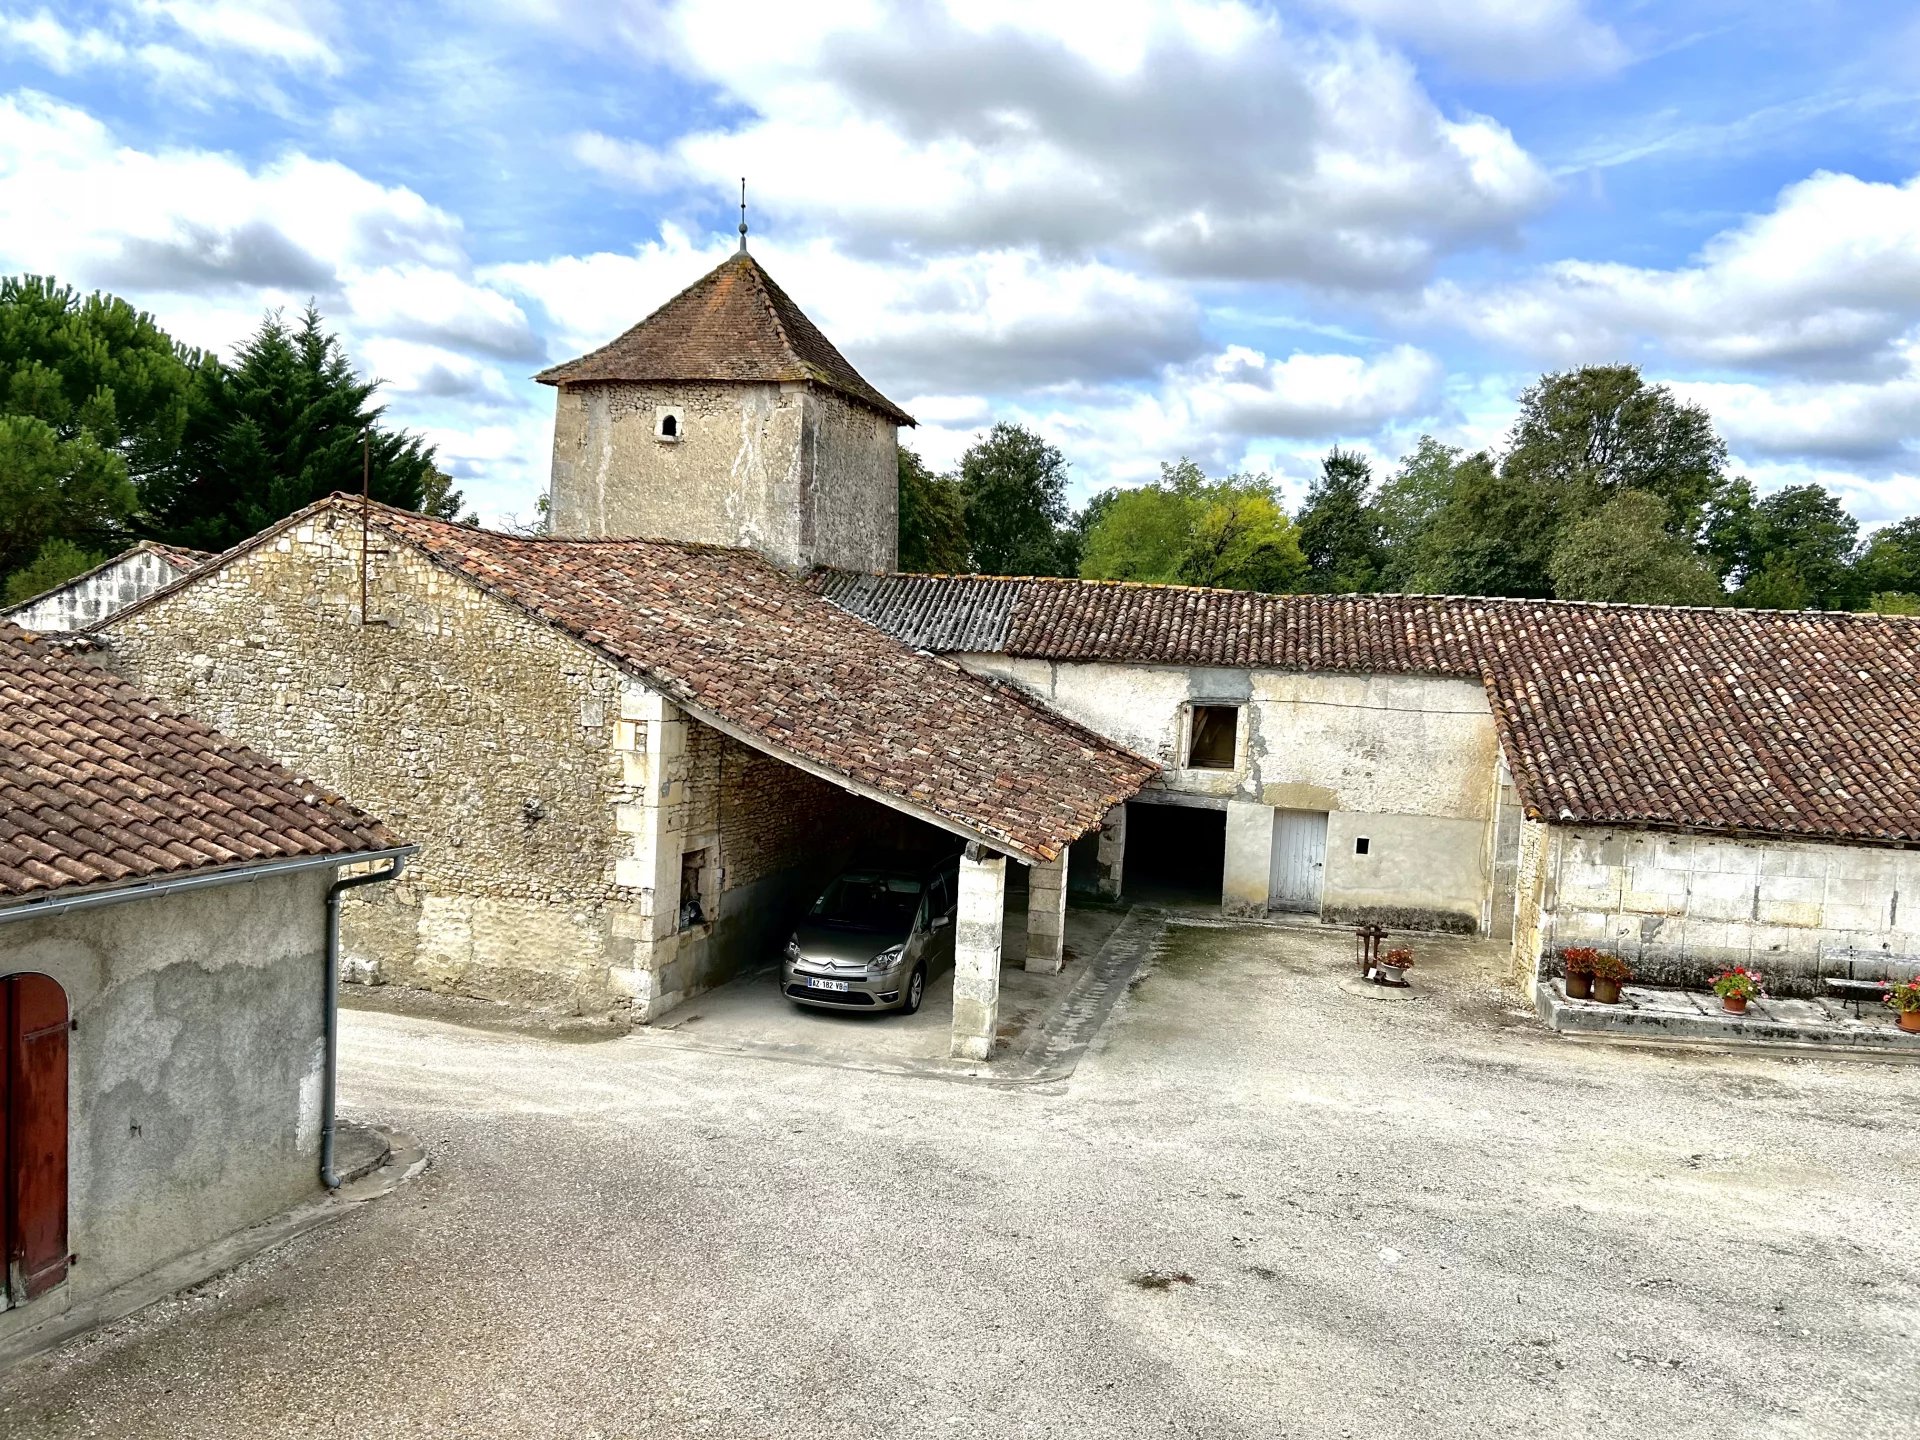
{"points": [[1681, 907], [796, 472], [484, 735], [86, 601], [1531, 901], [1405, 763], [194, 1077]]}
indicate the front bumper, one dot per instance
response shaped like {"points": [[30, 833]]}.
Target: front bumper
{"points": [[864, 991]]}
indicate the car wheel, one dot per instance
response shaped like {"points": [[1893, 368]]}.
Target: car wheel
{"points": [[916, 990]]}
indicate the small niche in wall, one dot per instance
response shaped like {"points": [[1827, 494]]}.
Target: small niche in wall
{"points": [[1361, 845], [698, 880], [669, 423]]}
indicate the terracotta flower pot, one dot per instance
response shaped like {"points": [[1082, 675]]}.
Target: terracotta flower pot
{"points": [[1607, 992], [1910, 1019], [1734, 1004], [1579, 987]]}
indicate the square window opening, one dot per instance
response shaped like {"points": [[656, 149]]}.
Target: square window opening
{"points": [[1362, 845], [1214, 737]]}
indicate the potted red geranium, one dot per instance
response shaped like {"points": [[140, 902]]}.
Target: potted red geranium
{"points": [[1904, 1000], [1578, 960], [1736, 987], [1610, 972], [1395, 964]]}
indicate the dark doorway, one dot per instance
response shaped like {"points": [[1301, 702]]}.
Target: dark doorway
{"points": [[33, 1133], [1176, 854]]}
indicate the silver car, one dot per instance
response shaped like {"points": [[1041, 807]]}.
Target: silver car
{"points": [[875, 938]]}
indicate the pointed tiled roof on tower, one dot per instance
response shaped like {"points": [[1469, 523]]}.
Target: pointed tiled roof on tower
{"points": [[735, 324]]}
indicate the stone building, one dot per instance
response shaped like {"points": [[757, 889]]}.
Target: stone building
{"points": [[1691, 788], [165, 1005], [628, 762], [90, 597], [727, 417]]}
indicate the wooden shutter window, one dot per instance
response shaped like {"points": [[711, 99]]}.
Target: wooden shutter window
{"points": [[33, 1133]]}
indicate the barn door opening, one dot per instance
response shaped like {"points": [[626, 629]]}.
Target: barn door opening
{"points": [[33, 1134], [1299, 860]]}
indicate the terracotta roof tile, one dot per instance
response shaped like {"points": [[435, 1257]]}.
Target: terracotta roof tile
{"points": [[746, 646], [176, 796], [1797, 724], [735, 324]]}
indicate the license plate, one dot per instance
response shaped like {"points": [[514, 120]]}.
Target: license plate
{"points": [[813, 984]]}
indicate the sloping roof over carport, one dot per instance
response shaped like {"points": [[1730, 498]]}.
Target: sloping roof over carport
{"points": [[751, 650]]}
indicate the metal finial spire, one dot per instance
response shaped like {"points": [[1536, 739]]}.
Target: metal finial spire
{"points": [[743, 214]]}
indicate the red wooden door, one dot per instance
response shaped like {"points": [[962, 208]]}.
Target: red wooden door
{"points": [[33, 1135]]}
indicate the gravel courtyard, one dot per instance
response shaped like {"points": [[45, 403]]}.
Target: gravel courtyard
{"points": [[1263, 1206]]}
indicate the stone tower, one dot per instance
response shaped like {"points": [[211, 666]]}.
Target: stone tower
{"points": [[727, 417]]}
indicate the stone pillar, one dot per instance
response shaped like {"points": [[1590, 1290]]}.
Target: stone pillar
{"points": [[976, 952], [1047, 916], [1111, 853], [1249, 868], [650, 815]]}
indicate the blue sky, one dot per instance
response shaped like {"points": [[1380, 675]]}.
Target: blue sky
{"points": [[1237, 232]]}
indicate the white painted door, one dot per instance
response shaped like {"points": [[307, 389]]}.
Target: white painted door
{"points": [[1299, 860]]}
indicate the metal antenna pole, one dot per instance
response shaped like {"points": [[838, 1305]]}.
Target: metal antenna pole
{"points": [[366, 506]]}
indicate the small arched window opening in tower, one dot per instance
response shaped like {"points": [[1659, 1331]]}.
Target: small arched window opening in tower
{"points": [[668, 423]]}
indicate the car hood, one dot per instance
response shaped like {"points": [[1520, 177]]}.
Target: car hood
{"points": [[843, 947]]}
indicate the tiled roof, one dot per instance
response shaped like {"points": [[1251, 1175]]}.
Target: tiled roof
{"points": [[179, 556], [733, 323], [748, 648], [1796, 723], [102, 786]]}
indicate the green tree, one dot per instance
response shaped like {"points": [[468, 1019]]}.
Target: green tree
{"points": [[1891, 561], [1013, 486], [1407, 504], [1187, 529], [278, 429], [1894, 602], [439, 499], [58, 562], [1623, 552], [93, 400], [1802, 532], [1585, 436], [1340, 534], [933, 519], [1493, 535], [1140, 534]]}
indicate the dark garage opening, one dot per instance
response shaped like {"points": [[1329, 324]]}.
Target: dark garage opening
{"points": [[1176, 854]]}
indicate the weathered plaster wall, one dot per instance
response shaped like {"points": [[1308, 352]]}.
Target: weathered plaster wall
{"points": [[797, 473], [1680, 907], [82, 603], [1406, 761], [472, 729], [1532, 900], [195, 1073]]}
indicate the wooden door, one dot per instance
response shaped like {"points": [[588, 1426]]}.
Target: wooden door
{"points": [[33, 1133], [1299, 860]]}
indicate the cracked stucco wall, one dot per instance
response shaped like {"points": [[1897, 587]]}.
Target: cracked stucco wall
{"points": [[793, 471], [1405, 761], [1681, 907], [194, 1076]]}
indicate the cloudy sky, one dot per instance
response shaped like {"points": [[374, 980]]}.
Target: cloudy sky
{"points": [[1232, 231]]}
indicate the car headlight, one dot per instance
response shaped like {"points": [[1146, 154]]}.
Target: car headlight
{"points": [[793, 947], [886, 959]]}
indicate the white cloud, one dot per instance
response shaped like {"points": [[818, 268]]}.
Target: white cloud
{"points": [[1829, 279], [287, 32], [1529, 40], [1202, 139]]}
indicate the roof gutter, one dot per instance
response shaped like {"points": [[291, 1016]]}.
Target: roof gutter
{"points": [[58, 904]]}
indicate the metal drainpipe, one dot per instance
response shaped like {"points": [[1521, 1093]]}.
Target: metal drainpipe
{"points": [[328, 1177]]}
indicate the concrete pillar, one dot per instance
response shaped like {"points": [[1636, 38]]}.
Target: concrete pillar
{"points": [[1111, 853], [1047, 916], [976, 952], [1249, 869]]}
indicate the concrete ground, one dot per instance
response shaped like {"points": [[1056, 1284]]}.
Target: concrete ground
{"points": [[1264, 1205], [751, 1013]]}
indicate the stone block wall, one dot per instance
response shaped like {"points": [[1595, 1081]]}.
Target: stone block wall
{"points": [[87, 601], [482, 734], [1680, 907]]}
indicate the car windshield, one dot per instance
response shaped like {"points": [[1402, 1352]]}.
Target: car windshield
{"points": [[869, 900]]}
